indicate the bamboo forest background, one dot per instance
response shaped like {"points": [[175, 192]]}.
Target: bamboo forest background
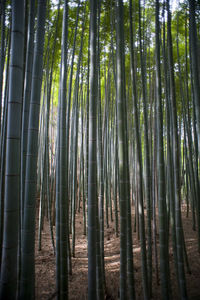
{"points": [[100, 115]]}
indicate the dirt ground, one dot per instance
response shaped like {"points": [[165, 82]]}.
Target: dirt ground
{"points": [[45, 265]]}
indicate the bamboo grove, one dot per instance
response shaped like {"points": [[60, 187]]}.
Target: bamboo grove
{"points": [[100, 115]]}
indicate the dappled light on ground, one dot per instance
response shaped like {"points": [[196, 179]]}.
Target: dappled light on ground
{"points": [[45, 266]]}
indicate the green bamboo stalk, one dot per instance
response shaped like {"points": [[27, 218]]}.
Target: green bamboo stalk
{"points": [[122, 151], [9, 275], [164, 262], [2, 53], [62, 230], [147, 154], [27, 288], [26, 98], [176, 153], [92, 159], [140, 205]]}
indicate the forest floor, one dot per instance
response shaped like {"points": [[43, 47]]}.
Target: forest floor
{"points": [[45, 265]]}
